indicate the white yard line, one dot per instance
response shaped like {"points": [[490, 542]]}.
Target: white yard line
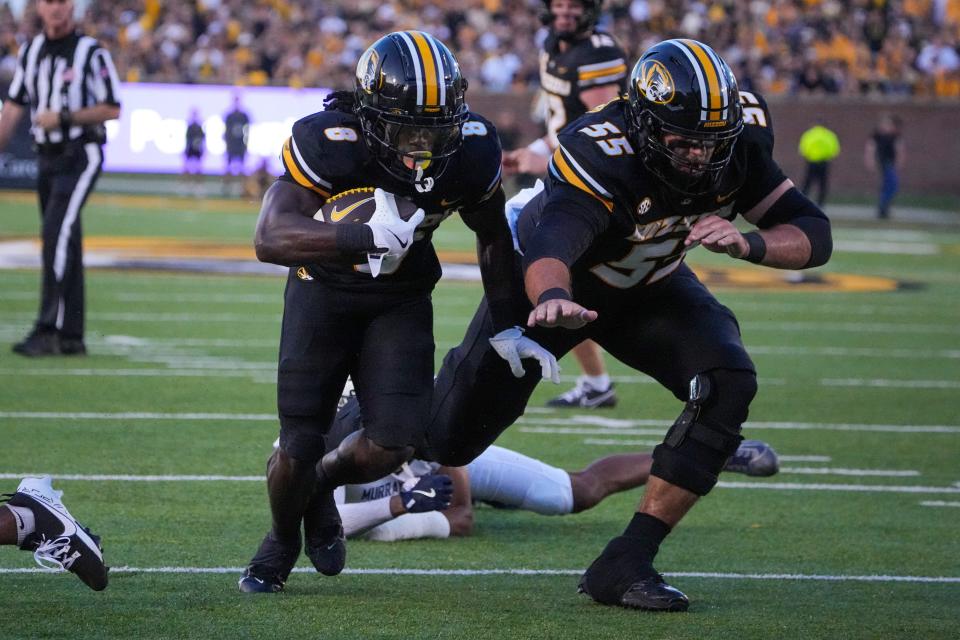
{"points": [[396, 571], [939, 503], [790, 486], [618, 442], [832, 471], [603, 426], [774, 486], [137, 415], [895, 384], [789, 458]]}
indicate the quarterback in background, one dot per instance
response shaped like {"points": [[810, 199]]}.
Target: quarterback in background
{"points": [[581, 67]]}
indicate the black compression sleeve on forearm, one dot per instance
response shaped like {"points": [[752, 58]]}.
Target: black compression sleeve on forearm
{"points": [[798, 210], [354, 238]]}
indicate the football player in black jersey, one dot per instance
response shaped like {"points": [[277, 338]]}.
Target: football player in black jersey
{"points": [[581, 67], [632, 187], [357, 300]]}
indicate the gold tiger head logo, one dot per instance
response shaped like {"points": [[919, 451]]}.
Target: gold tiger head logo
{"points": [[367, 70], [655, 82]]}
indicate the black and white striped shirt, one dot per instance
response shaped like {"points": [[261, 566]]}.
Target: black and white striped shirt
{"points": [[70, 73]]}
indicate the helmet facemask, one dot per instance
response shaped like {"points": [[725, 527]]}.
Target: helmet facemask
{"points": [[412, 148], [691, 162]]}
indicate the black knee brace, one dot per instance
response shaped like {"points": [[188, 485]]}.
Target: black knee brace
{"points": [[357, 459], [708, 430]]}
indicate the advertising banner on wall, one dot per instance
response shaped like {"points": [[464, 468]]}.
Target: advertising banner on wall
{"points": [[150, 135]]}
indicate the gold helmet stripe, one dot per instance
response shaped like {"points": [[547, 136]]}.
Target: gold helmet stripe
{"points": [[709, 77], [431, 97], [714, 101], [407, 38]]}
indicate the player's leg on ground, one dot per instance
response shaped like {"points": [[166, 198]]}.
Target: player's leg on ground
{"points": [[322, 329], [608, 475], [393, 379], [679, 334], [508, 479]]}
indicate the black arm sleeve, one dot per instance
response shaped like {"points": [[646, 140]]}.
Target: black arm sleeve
{"points": [[499, 263], [568, 222], [798, 210]]}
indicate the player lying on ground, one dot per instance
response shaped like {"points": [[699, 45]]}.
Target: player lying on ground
{"points": [[35, 520], [424, 499]]}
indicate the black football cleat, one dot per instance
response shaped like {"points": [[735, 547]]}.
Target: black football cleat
{"points": [[326, 545], [38, 344], [623, 575], [650, 593], [270, 567], [59, 542], [72, 347]]}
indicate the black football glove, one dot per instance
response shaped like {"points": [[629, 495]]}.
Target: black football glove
{"points": [[427, 493]]}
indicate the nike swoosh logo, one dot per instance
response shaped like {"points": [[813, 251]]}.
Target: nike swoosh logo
{"points": [[726, 197], [444, 203], [430, 494], [403, 245], [338, 214], [69, 528]]}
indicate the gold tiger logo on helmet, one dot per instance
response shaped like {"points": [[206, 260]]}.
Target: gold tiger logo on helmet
{"points": [[655, 83], [367, 70]]}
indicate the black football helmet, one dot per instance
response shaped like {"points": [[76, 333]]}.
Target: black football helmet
{"points": [[685, 114], [586, 23], [410, 101]]}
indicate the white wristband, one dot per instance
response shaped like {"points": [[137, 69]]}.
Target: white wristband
{"points": [[540, 147], [411, 526]]}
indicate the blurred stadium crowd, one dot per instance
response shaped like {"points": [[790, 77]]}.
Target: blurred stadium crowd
{"points": [[846, 47]]}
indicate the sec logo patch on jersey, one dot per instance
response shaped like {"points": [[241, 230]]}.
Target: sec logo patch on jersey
{"points": [[358, 205]]}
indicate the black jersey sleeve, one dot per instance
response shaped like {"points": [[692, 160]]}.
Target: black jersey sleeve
{"points": [[601, 63], [563, 225], [762, 171], [321, 148], [480, 162]]}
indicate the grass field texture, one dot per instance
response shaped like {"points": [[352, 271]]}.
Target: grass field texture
{"points": [[855, 538]]}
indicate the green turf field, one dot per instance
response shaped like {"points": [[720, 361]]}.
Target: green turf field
{"points": [[855, 538]]}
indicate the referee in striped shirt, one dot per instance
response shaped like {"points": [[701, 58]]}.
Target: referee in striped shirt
{"points": [[69, 83]]}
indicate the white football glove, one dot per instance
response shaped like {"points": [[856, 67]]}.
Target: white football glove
{"points": [[511, 345], [390, 232]]}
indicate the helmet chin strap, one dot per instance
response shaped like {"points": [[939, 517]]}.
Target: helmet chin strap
{"points": [[421, 183]]}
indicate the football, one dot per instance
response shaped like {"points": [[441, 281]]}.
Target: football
{"points": [[359, 205]]}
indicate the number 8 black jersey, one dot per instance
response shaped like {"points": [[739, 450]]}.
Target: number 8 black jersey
{"points": [[590, 62], [622, 226], [327, 154]]}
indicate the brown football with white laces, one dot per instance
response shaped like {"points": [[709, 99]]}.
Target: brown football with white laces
{"points": [[358, 205]]}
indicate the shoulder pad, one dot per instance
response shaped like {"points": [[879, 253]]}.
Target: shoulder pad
{"points": [[481, 156], [322, 147], [758, 124], [600, 60], [591, 152]]}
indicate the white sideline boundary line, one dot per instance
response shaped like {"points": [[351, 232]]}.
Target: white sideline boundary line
{"points": [[775, 486], [536, 572]]}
